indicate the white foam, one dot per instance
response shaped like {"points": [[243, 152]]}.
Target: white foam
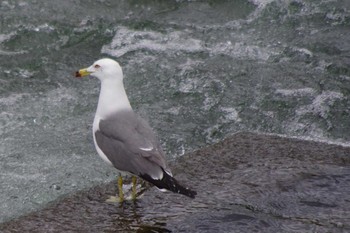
{"points": [[189, 85], [321, 104], [304, 51], [126, 40], [23, 73], [188, 66], [309, 138], [6, 4], [261, 3], [5, 37], [242, 50], [336, 18], [296, 92], [320, 107], [231, 114], [2, 52], [173, 110], [43, 27]]}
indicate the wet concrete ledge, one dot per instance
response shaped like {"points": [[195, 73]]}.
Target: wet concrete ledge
{"points": [[246, 183]]}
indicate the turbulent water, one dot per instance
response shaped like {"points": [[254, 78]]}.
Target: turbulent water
{"points": [[197, 70]]}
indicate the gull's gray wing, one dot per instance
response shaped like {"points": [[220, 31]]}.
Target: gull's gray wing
{"points": [[130, 144]]}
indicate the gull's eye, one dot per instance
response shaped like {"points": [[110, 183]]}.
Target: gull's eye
{"points": [[97, 66]]}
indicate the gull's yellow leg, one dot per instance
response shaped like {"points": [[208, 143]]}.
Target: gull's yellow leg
{"points": [[120, 189], [120, 198], [133, 194]]}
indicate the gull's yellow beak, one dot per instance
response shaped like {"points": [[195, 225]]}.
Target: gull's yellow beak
{"points": [[82, 73]]}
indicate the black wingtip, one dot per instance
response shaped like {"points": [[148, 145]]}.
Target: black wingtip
{"points": [[168, 182], [190, 193]]}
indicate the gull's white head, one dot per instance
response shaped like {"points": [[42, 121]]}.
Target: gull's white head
{"points": [[102, 69]]}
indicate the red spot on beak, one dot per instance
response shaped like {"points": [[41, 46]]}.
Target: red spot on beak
{"points": [[77, 74]]}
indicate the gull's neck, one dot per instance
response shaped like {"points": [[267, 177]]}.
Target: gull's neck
{"points": [[112, 98]]}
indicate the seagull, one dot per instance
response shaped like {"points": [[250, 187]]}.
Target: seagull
{"points": [[122, 138]]}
